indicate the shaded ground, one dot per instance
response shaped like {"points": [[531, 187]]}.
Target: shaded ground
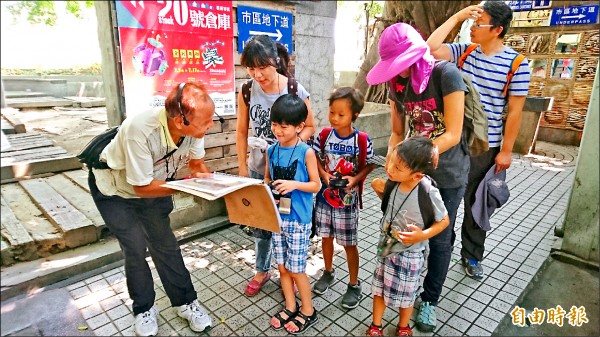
{"points": [[558, 283], [70, 128], [54, 313]]}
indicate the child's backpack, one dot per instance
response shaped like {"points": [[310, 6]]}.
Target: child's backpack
{"points": [[425, 204], [292, 86], [362, 154]]}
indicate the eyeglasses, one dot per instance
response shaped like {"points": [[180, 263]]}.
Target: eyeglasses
{"points": [[476, 25]]}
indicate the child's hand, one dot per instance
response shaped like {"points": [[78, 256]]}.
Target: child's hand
{"points": [[284, 186], [202, 175], [352, 181], [414, 235], [326, 178], [378, 185]]}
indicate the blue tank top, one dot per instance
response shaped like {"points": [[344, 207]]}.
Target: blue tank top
{"points": [[289, 163]]}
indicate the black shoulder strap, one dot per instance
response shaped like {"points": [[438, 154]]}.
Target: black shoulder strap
{"points": [[246, 88], [425, 204], [387, 190], [292, 86], [170, 153]]}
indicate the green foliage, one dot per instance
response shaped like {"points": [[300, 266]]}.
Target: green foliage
{"points": [[44, 12], [375, 8], [93, 69]]}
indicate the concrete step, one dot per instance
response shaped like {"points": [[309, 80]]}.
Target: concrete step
{"points": [[10, 122], [37, 102], [39, 273], [23, 94], [87, 102], [52, 214], [32, 154]]}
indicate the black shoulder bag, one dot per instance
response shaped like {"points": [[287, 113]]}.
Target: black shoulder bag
{"points": [[90, 154]]}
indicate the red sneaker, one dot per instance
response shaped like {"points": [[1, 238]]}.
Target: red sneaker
{"points": [[374, 330], [404, 331]]}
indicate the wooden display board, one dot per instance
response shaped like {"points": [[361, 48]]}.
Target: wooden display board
{"points": [[563, 63], [249, 201], [253, 206]]}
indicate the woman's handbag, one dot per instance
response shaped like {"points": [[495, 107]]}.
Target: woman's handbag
{"points": [[90, 154]]}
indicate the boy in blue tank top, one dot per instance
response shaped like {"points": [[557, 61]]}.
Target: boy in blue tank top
{"points": [[293, 175]]}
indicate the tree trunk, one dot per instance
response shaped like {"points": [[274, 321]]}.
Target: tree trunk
{"points": [[425, 16]]}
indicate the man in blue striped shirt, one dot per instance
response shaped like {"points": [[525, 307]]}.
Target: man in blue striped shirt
{"points": [[487, 66]]}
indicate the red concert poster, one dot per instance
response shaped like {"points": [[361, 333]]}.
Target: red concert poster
{"points": [[164, 43]]}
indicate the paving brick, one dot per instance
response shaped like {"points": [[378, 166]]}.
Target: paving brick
{"points": [[91, 310], [499, 304], [447, 330], [110, 303], [80, 292], [449, 306], [98, 321], [493, 314], [467, 313], [456, 296], [458, 323], [125, 322], [218, 330], [500, 276], [486, 323], [509, 297], [477, 331]]}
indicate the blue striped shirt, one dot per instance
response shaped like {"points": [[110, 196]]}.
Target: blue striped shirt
{"points": [[488, 74]]}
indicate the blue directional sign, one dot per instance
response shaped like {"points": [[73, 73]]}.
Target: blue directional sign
{"points": [[574, 15], [259, 21]]}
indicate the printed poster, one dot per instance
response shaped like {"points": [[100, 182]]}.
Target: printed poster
{"points": [[164, 43]]}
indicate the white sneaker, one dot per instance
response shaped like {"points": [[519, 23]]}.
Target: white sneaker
{"points": [[196, 315], [146, 323]]}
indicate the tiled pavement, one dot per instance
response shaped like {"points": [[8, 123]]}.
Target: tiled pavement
{"points": [[221, 263]]}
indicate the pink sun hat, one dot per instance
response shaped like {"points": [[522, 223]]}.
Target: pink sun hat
{"points": [[400, 47]]}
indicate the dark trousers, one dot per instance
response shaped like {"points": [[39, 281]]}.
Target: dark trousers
{"points": [[473, 237], [137, 224], [440, 248]]}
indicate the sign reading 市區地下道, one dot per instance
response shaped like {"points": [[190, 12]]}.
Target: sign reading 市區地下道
{"points": [[574, 15], [259, 21]]}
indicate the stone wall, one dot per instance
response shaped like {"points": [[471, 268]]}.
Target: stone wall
{"points": [[375, 120], [57, 85], [581, 219], [315, 46]]}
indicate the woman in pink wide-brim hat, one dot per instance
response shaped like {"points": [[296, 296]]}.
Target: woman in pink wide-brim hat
{"points": [[430, 96]]}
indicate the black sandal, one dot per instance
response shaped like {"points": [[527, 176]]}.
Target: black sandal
{"points": [[308, 321], [283, 321]]}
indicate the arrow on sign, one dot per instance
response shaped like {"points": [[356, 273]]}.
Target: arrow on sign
{"points": [[278, 35], [580, 16]]}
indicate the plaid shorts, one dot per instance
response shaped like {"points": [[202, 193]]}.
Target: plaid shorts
{"points": [[397, 278], [290, 246], [341, 223]]}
